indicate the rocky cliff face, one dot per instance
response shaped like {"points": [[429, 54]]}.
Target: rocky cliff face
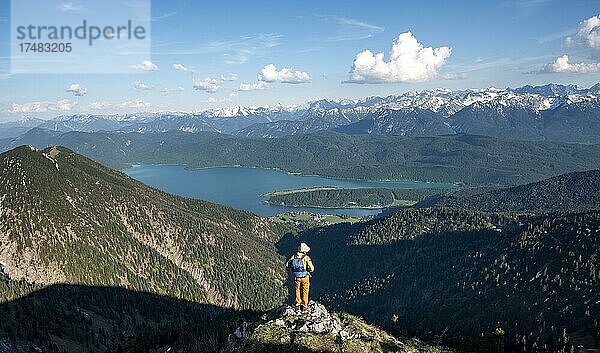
{"points": [[287, 329]]}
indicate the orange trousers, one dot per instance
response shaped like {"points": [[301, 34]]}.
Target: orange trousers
{"points": [[302, 287]]}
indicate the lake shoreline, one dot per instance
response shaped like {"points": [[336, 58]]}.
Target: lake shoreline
{"points": [[330, 207], [244, 187], [188, 167]]}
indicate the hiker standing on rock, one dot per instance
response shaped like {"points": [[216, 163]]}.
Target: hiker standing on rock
{"points": [[301, 266]]}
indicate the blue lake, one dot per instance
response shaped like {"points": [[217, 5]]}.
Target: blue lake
{"points": [[241, 187]]}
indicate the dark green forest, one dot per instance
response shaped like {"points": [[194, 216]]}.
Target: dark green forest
{"points": [[456, 276], [75, 318], [81, 223], [352, 197], [454, 158], [572, 191]]}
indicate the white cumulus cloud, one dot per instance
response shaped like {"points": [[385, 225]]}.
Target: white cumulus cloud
{"points": [[146, 65], [253, 86], [142, 86], [588, 35], [183, 68], [209, 85], [63, 105], [270, 73], [77, 89], [562, 64], [409, 62]]}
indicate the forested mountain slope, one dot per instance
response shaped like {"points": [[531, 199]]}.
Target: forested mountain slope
{"points": [[366, 197], [76, 318], [572, 191], [457, 158], [67, 219], [458, 275]]}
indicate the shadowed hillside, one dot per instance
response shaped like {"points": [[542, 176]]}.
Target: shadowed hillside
{"points": [[69, 318], [67, 219], [457, 275], [73, 318], [573, 191]]}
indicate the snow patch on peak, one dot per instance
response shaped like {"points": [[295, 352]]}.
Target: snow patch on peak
{"points": [[231, 112]]}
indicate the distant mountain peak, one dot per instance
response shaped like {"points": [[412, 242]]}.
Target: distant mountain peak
{"points": [[437, 109]]}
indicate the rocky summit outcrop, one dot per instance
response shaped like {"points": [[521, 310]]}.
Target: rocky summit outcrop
{"points": [[314, 329]]}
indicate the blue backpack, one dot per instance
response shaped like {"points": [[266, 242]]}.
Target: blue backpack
{"points": [[298, 267]]}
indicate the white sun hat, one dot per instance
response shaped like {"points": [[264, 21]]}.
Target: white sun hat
{"points": [[303, 248]]}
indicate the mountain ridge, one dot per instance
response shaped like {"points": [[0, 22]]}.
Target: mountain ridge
{"points": [[468, 159], [286, 329], [571, 191], [551, 112], [67, 218]]}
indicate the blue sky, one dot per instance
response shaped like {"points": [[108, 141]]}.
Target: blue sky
{"points": [[269, 52]]}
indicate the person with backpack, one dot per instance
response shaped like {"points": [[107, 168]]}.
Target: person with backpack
{"points": [[301, 266]]}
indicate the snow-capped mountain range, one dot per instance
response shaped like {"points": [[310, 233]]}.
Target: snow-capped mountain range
{"points": [[554, 112]]}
